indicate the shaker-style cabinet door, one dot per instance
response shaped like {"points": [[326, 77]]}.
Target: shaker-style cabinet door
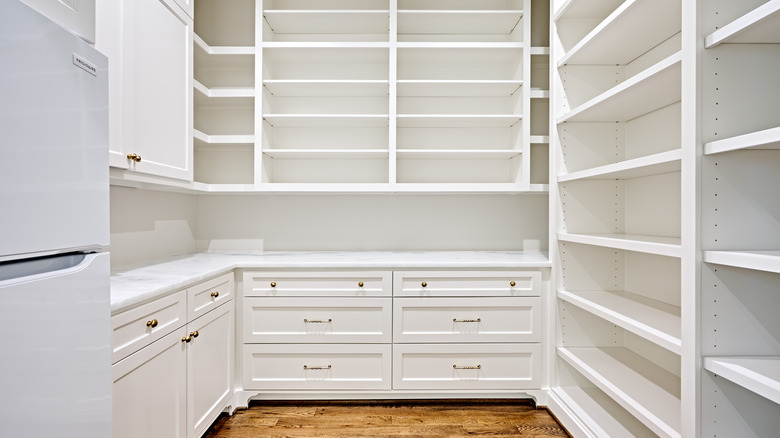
{"points": [[150, 390], [156, 100]]}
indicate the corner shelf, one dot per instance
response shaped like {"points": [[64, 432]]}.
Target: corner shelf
{"points": [[223, 92], [657, 245], [647, 391], [761, 25], [760, 374], [646, 23], [223, 139], [653, 320]]}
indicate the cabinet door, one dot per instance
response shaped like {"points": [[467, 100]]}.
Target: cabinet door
{"points": [[149, 390], [209, 367], [157, 89]]}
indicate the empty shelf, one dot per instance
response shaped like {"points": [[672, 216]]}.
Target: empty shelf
{"points": [[768, 261], [760, 375], [653, 320], [223, 139], [447, 88], [647, 391], [766, 139], [457, 120], [326, 120], [601, 414], [289, 87], [658, 245], [348, 22], [447, 154], [761, 25], [326, 153], [458, 22], [224, 92], [638, 167], [222, 50]]}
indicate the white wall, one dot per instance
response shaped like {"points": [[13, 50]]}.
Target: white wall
{"points": [[147, 225], [375, 222]]}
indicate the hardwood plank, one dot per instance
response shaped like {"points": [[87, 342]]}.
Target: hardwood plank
{"points": [[384, 419]]}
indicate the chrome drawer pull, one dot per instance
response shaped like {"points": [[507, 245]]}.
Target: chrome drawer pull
{"points": [[466, 320], [317, 321], [478, 367], [306, 367]]}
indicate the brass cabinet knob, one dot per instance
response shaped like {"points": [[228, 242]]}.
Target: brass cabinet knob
{"points": [[360, 284], [135, 157], [214, 294], [187, 339], [194, 334], [512, 283], [153, 323], [273, 284], [424, 284]]}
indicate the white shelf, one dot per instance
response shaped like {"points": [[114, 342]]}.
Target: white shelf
{"points": [[222, 50], [768, 261], [657, 245], [223, 139], [223, 92], [325, 45], [602, 415], [592, 9], [540, 139], [766, 139], [442, 88], [540, 50], [326, 120], [760, 374], [446, 154], [540, 94], [348, 22], [647, 391], [289, 87], [460, 22], [655, 321], [653, 88], [761, 25], [327, 153], [482, 46], [645, 23], [457, 120], [656, 164]]}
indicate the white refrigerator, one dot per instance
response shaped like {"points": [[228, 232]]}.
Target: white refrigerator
{"points": [[55, 361]]}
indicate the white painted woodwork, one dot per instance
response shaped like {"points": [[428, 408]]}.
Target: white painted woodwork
{"points": [[317, 320], [600, 414], [149, 396], [210, 357], [318, 284], [317, 366], [204, 297], [466, 283], [760, 374], [138, 327], [483, 319], [466, 366]]}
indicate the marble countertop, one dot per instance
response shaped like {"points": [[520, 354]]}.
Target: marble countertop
{"points": [[135, 285]]}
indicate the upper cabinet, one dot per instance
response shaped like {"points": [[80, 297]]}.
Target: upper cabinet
{"points": [[149, 45]]}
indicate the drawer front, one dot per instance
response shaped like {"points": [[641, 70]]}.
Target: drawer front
{"points": [[467, 284], [511, 319], [317, 284], [209, 295], [467, 366], [317, 366], [312, 320], [138, 327]]}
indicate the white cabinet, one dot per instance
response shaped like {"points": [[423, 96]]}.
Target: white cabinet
{"points": [[149, 45], [78, 16], [173, 375]]}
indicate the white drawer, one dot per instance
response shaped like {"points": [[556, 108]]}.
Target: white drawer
{"points": [[490, 319], [317, 366], [466, 283], [309, 284], [312, 320], [209, 295], [467, 366], [139, 327]]}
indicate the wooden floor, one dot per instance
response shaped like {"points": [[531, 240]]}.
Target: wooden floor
{"points": [[388, 419]]}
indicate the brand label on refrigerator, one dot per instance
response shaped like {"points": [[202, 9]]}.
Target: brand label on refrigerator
{"points": [[85, 65]]}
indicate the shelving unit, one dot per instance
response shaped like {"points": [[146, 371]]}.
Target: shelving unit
{"points": [[618, 246], [392, 95]]}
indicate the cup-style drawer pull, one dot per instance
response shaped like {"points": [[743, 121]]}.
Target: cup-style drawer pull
{"points": [[153, 323], [215, 294], [317, 321], [317, 367], [478, 367], [512, 283], [466, 320], [273, 284], [424, 284]]}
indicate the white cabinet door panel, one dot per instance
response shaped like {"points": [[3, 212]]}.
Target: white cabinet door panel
{"points": [[309, 284], [466, 283]]}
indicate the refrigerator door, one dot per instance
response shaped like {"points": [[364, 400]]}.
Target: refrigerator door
{"points": [[55, 347], [53, 138]]}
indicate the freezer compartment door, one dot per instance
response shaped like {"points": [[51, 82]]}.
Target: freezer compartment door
{"points": [[55, 365], [53, 138]]}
